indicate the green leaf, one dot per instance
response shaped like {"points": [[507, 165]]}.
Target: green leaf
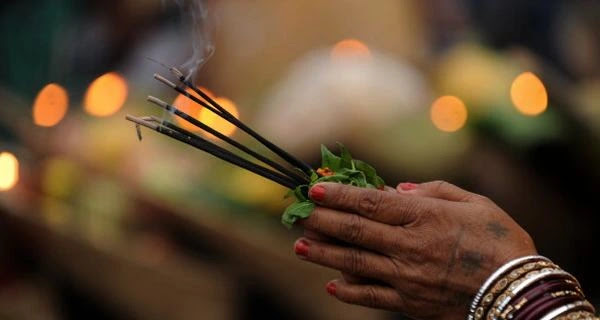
{"points": [[370, 173], [297, 210], [346, 158], [339, 178], [329, 160], [358, 179], [346, 171], [301, 192], [313, 176], [379, 183], [368, 170]]}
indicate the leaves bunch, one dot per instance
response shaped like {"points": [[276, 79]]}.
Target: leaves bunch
{"points": [[340, 169]]}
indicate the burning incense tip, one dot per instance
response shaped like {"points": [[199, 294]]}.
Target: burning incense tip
{"points": [[164, 80]]}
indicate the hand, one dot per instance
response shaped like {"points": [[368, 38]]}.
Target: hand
{"points": [[427, 248]]}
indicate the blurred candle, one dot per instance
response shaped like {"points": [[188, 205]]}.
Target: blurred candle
{"points": [[50, 105], [9, 171], [528, 94], [448, 113], [218, 123], [106, 95], [350, 48], [190, 107]]}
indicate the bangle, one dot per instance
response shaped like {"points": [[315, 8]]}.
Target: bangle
{"points": [[578, 315], [511, 280], [544, 286], [560, 310], [497, 274], [542, 306], [519, 285]]}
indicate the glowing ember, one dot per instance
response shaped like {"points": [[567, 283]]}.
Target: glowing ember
{"points": [[528, 94], [350, 48], [190, 107], [448, 113], [106, 95], [217, 122], [9, 171], [50, 105]]}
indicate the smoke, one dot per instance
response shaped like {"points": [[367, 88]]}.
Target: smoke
{"points": [[195, 14]]}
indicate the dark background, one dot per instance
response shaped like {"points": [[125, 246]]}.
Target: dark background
{"points": [[102, 226]]}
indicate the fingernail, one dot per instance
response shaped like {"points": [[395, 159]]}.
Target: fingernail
{"points": [[330, 287], [406, 186], [317, 193], [301, 248]]}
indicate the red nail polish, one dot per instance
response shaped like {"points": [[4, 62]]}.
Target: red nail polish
{"points": [[317, 193], [406, 186], [301, 248], [330, 287]]}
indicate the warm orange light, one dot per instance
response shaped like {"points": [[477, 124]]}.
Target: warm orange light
{"points": [[9, 171], [218, 123], [106, 95], [448, 113], [528, 94], [50, 105], [350, 48], [190, 107]]}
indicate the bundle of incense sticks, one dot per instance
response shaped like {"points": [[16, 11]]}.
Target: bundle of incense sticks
{"points": [[290, 178]]}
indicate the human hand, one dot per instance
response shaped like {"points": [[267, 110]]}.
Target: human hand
{"points": [[427, 248]]}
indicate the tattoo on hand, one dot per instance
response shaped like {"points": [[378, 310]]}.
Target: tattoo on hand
{"points": [[498, 230], [471, 262]]}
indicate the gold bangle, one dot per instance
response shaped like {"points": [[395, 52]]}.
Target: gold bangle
{"points": [[508, 280], [497, 310], [578, 315]]}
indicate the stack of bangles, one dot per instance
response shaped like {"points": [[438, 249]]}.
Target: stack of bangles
{"points": [[530, 288]]}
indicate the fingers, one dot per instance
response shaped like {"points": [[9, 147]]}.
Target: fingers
{"points": [[441, 190], [386, 207], [353, 261], [373, 296], [350, 278], [353, 229], [313, 235]]}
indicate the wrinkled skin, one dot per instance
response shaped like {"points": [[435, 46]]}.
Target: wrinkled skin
{"points": [[422, 250]]}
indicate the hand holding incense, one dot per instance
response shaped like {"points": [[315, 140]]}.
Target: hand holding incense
{"points": [[341, 169], [299, 178]]}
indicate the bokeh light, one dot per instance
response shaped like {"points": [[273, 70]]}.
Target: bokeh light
{"points": [[528, 94], [9, 171], [218, 123], [106, 95], [190, 107], [448, 113], [50, 105], [350, 48]]}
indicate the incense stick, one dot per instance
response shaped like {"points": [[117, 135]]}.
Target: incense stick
{"points": [[203, 126], [187, 137], [187, 94], [223, 113]]}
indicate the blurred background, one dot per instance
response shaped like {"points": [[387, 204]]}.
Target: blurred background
{"points": [[501, 97]]}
